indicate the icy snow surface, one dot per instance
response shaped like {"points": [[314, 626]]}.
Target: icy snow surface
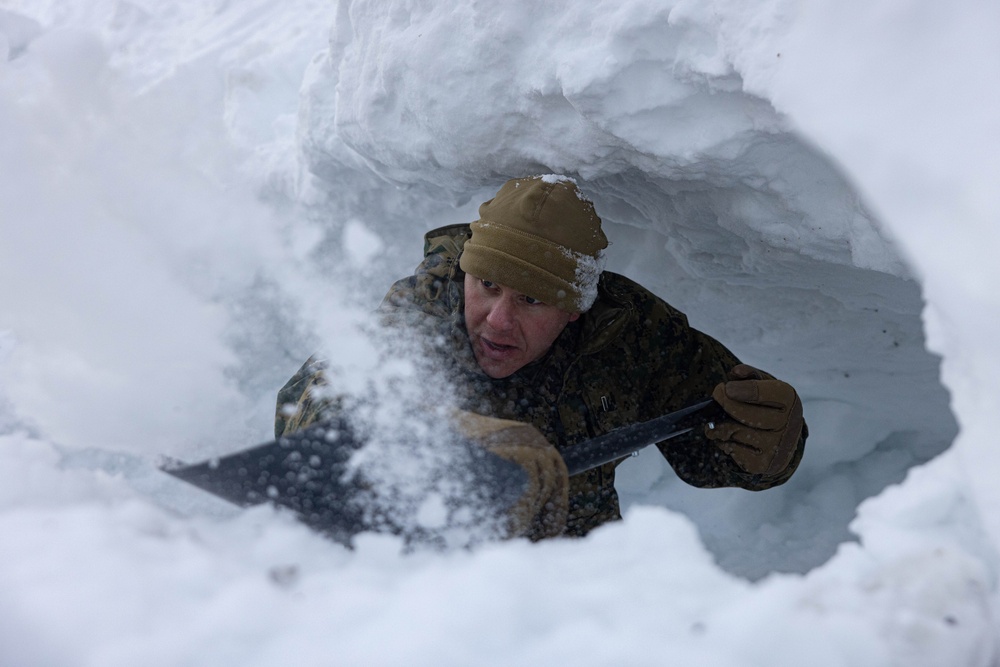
{"points": [[195, 196]]}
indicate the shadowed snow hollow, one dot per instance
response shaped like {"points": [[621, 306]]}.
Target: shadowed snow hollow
{"points": [[709, 197]]}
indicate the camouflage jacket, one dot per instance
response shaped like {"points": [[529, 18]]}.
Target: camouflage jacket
{"points": [[630, 358]]}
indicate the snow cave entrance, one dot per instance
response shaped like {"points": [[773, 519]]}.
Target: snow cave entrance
{"points": [[774, 253]]}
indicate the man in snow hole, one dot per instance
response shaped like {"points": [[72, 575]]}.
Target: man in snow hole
{"points": [[550, 351]]}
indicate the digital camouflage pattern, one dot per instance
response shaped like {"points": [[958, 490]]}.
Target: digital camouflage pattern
{"points": [[542, 509], [630, 358]]}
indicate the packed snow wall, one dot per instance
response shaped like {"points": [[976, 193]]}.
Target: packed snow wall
{"points": [[674, 118], [179, 229]]}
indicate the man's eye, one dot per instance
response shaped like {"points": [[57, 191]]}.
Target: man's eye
{"points": [[530, 301], [488, 284]]}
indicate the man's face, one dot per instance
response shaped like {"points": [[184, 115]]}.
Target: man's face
{"points": [[508, 330]]}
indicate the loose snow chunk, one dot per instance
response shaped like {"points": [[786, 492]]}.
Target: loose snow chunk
{"points": [[557, 178], [588, 273]]}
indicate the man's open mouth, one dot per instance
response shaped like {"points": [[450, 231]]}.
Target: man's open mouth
{"points": [[497, 347]]}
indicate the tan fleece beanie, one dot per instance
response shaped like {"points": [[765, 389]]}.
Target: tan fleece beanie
{"points": [[540, 237]]}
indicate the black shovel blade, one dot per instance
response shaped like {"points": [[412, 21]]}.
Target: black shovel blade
{"points": [[308, 472], [626, 440]]}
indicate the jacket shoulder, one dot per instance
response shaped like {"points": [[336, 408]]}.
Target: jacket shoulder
{"points": [[442, 248], [448, 239], [433, 287], [624, 306], [621, 290]]}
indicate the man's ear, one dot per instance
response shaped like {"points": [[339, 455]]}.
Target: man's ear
{"points": [[573, 317]]}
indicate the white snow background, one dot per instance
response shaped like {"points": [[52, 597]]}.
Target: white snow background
{"points": [[197, 195]]}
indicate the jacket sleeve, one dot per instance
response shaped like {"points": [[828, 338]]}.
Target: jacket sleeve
{"points": [[424, 300], [302, 400], [432, 289], [691, 364]]}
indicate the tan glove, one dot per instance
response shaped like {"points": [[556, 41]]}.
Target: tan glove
{"points": [[543, 507], [764, 421]]}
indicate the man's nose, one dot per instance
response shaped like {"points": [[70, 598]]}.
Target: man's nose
{"points": [[501, 316]]}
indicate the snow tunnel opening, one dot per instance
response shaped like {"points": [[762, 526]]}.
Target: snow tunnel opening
{"points": [[766, 245], [774, 254]]}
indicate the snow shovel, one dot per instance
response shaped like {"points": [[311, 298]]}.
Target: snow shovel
{"points": [[308, 471]]}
